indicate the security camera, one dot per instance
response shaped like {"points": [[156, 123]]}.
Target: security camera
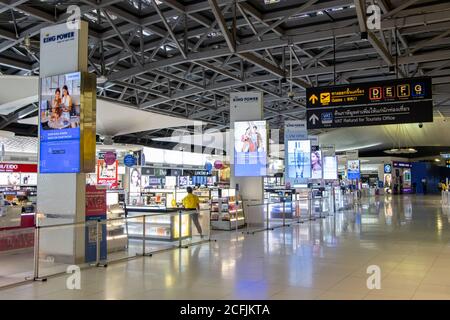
{"points": [[420, 125]]}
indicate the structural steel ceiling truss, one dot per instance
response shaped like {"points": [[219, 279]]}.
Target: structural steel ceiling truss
{"points": [[184, 57]]}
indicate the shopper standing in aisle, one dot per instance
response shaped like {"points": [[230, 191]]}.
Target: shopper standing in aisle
{"points": [[192, 202]]}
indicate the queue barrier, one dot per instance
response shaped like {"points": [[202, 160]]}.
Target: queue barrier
{"points": [[52, 259], [302, 209]]}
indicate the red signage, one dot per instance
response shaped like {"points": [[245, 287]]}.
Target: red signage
{"points": [[18, 167], [95, 201]]}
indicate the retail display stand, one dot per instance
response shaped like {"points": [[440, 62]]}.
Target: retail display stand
{"points": [[117, 237], [226, 210]]}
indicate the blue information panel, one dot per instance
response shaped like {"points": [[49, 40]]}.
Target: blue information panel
{"points": [[250, 145], [59, 121]]}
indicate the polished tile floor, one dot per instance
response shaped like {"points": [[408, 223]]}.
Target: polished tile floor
{"points": [[408, 237]]}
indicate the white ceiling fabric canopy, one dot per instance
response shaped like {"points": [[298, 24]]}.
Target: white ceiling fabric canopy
{"points": [[17, 92], [112, 118]]}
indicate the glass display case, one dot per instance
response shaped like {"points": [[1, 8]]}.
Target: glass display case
{"points": [[160, 224]]}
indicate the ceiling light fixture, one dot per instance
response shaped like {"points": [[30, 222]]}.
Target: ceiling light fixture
{"points": [[102, 79], [400, 151]]}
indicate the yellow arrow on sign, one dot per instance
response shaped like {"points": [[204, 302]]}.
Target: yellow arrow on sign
{"points": [[313, 99]]}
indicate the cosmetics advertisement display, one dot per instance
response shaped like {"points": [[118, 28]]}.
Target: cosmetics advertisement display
{"points": [[59, 116], [316, 163], [353, 170], [107, 174], [250, 146], [135, 182], [299, 159], [330, 168]]}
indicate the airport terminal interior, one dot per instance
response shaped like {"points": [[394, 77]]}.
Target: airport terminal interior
{"points": [[225, 149]]}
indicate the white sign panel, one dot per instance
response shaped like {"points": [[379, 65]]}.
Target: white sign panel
{"points": [[246, 103], [352, 155], [59, 50]]}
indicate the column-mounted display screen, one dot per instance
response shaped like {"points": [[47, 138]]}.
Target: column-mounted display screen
{"points": [[67, 123], [250, 148], [59, 116]]}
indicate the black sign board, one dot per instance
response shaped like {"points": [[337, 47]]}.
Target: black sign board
{"points": [[175, 172], [398, 164], [373, 103], [146, 171], [370, 115], [399, 90]]}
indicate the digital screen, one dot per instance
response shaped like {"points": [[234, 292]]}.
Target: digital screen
{"points": [[107, 174], [330, 170], [250, 148], [316, 164], [299, 159], [353, 170], [59, 120]]}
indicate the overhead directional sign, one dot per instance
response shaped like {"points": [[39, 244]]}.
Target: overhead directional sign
{"points": [[373, 103]]}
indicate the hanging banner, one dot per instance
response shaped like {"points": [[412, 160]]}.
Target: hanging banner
{"points": [[371, 103]]}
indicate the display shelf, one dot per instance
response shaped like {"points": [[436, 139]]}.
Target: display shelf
{"points": [[117, 238], [226, 210]]}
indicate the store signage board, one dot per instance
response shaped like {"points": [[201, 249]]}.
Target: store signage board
{"points": [[18, 167], [352, 154], [373, 103], [328, 150], [129, 160], [388, 168], [147, 171], [398, 164]]}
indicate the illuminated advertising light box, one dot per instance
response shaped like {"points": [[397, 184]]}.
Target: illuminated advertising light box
{"points": [[316, 164], [107, 174], [353, 170], [250, 148], [67, 123], [330, 168], [299, 159]]}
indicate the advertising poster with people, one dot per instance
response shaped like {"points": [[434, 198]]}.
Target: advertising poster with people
{"points": [[250, 144], [135, 186], [353, 170], [299, 159], [59, 120], [316, 163]]}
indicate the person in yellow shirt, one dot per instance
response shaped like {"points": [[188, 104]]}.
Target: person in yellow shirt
{"points": [[192, 202]]}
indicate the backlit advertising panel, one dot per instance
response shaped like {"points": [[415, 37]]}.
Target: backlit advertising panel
{"points": [[299, 159], [353, 170], [250, 146], [330, 168], [59, 120]]}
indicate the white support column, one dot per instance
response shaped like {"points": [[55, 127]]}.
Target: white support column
{"points": [[61, 196], [251, 189]]}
